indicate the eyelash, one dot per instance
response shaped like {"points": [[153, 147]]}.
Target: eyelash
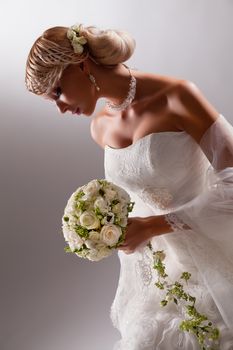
{"points": [[56, 92]]}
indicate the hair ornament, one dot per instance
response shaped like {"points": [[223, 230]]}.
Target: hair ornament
{"points": [[77, 41]]}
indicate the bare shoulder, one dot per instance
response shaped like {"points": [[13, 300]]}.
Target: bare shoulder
{"points": [[167, 89], [196, 113]]}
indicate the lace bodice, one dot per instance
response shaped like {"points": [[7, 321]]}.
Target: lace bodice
{"points": [[154, 168]]}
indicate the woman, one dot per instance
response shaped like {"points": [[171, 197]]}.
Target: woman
{"points": [[173, 152]]}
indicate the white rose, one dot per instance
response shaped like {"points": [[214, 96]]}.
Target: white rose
{"points": [[89, 220], [78, 212], [90, 244], [73, 221], [123, 221], [91, 188], [93, 255], [101, 204], [118, 208], [74, 241], [110, 194], [110, 234], [65, 231], [70, 208], [96, 255], [104, 252], [94, 236], [100, 245], [122, 193]]}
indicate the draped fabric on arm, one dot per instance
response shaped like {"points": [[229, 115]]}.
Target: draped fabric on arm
{"points": [[210, 217]]}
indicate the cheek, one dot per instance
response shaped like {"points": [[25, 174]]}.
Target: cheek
{"points": [[70, 96]]}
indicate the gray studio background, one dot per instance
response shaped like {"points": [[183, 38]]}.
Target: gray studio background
{"points": [[51, 300]]}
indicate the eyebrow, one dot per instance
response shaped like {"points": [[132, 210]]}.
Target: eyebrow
{"points": [[51, 95], [48, 97]]}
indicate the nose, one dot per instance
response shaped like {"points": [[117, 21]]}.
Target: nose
{"points": [[62, 107]]}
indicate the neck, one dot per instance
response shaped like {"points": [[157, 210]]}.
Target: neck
{"points": [[114, 83]]}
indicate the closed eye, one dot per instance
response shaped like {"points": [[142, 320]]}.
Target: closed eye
{"points": [[58, 92]]}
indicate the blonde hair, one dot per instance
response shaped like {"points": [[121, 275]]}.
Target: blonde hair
{"points": [[52, 52]]}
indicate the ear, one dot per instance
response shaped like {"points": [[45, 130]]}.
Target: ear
{"points": [[84, 66], [81, 66]]}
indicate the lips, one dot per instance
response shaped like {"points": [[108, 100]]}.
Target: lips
{"points": [[77, 111]]}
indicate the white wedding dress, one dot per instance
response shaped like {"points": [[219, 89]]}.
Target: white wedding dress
{"points": [[169, 173]]}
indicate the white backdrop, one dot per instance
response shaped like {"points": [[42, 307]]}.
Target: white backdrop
{"points": [[51, 300]]}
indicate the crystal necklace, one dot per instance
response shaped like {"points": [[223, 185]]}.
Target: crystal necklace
{"points": [[129, 98]]}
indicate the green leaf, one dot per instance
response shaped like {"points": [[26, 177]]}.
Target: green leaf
{"points": [[163, 302], [82, 231], [79, 195], [130, 206], [81, 205], [159, 285]]}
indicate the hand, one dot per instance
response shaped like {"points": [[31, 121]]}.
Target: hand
{"points": [[136, 233]]}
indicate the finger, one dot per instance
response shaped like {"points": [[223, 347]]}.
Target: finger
{"points": [[122, 248], [128, 252]]}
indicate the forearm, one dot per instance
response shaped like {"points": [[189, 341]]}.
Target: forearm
{"points": [[161, 224]]}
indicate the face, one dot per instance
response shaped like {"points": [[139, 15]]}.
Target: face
{"points": [[74, 93]]}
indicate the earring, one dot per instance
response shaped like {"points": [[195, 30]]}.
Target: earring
{"points": [[92, 79]]}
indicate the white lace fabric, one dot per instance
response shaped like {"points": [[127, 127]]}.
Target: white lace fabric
{"points": [[168, 173], [175, 222]]}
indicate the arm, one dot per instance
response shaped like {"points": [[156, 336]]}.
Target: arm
{"points": [[161, 224], [215, 137], [141, 229], [196, 115]]}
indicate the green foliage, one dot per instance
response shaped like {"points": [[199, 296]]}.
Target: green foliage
{"points": [[114, 202], [82, 231], [79, 195], [117, 220], [68, 250], [159, 285], [130, 206], [82, 205], [103, 182], [195, 322], [98, 213]]}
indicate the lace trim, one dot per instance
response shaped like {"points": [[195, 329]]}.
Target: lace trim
{"points": [[143, 268], [175, 222], [159, 197]]}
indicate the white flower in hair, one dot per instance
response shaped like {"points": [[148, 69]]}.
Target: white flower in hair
{"points": [[76, 41]]}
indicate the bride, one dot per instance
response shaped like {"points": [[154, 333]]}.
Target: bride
{"points": [[172, 151]]}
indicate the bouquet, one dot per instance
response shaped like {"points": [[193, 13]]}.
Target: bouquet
{"points": [[94, 223], [95, 219]]}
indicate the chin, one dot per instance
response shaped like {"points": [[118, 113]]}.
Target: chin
{"points": [[89, 112]]}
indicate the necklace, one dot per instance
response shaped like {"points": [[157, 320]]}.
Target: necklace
{"points": [[129, 98]]}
